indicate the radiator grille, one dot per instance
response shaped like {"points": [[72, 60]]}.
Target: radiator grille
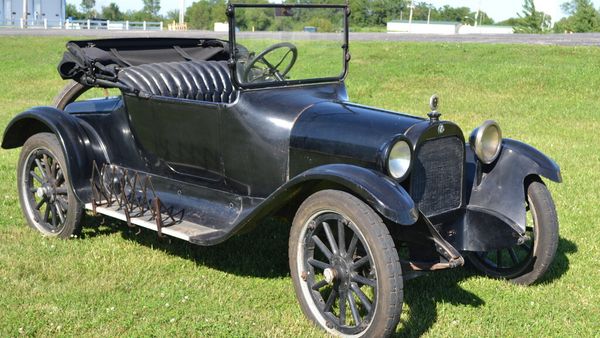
{"points": [[436, 183]]}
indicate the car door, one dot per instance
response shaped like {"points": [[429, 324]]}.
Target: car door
{"points": [[180, 134]]}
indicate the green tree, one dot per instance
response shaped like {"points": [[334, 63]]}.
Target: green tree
{"points": [[376, 12], [151, 8], [532, 20], [72, 12], [112, 12], [456, 14], [204, 13], [383, 11], [421, 12], [172, 15], [583, 17], [509, 22], [137, 16], [87, 6], [485, 19], [198, 15]]}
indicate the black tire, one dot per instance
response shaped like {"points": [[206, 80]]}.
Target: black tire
{"points": [[71, 91], [368, 278], [45, 191], [531, 259]]}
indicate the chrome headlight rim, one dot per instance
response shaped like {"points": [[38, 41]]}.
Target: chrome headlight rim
{"points": [[476, 141], [398, 141]]}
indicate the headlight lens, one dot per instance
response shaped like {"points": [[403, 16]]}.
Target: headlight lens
{"points": [[399, 159], [487, 141]]}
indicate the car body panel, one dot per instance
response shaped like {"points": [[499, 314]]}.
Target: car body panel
{"points": [[343, 132], [382, 193], [502, 187], [80, 143]]}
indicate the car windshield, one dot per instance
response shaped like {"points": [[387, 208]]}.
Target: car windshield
{"points": [[287, 44]]}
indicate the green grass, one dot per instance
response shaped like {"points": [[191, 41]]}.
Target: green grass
{"points": [[115, 282]]}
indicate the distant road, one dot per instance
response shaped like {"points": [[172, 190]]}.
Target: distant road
{"points": [[581, 39]]}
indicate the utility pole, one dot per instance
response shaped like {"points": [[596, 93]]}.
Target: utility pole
{"points": [[477, 15], [24, 13], [543, 19], [410, 14], [181, 11], [429, 16]]}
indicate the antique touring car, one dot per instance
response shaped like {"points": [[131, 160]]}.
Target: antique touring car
{"points": [[205, 138]]}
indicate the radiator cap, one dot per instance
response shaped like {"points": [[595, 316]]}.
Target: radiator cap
{"points": [[434, 115]]}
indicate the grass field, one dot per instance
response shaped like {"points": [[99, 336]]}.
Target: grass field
{"points": [[114, 282]]}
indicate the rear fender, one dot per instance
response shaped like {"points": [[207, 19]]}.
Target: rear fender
{"points": [[501, 192], [79, 147]]}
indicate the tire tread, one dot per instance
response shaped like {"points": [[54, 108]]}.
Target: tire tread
{"points": [[375, 229]]}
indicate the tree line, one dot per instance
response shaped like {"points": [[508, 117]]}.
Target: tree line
{"points": [[149, 12], [365, 13], [582, 16]]}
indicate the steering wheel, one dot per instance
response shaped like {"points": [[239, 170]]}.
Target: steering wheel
{"points": [[270, 70]]}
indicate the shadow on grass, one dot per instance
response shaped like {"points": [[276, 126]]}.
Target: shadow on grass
{"points": [[560, 265], [262, 253], [424, 293], [99, 226]]}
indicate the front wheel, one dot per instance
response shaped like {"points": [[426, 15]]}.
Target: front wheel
{"points": [[526, 263], [45, 192], [345, 267]]}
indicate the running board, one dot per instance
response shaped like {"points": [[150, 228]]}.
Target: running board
{"points": [[181, 229]]}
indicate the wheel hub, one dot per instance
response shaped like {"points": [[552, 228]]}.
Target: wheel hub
{"points": [[46, 190], [340, 271], [330, 275]]}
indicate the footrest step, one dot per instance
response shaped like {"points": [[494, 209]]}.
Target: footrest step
{"points": [[181, 229]]}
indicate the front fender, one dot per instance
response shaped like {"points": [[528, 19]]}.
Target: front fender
{"points": [[79, 148], [501, 191], [379, 191]]}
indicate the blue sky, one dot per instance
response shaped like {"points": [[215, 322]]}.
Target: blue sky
{"points": [[498, 10]]}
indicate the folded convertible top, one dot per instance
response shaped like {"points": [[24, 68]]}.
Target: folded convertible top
{"points": [[98, 62]]}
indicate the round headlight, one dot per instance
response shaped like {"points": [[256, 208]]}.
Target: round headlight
{"points": [[399, 159], [487, 141]]}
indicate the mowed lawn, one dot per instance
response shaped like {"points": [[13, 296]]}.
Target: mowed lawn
{"points": [[116, 282]]}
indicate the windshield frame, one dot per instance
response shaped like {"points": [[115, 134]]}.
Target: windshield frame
{"points": [[233, 50]]}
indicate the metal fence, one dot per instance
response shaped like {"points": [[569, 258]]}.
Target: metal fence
{"points": [[82, 24]]}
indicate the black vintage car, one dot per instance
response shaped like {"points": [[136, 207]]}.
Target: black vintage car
{"points": [[207, 137]]}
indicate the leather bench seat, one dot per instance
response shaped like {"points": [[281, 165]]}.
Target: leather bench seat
{"points": [[193, 80]]}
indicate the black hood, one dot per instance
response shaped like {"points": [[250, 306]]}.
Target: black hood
{"points": [[341, 132]]}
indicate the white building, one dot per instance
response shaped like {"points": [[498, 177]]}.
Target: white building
{"points": [[38, 12], [443, 28]]}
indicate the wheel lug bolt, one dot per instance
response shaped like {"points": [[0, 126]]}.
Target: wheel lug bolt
{"points": [[304, 275]]}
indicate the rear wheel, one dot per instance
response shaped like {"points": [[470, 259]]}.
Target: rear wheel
{"points": [[74, 91], [45, 190], [526, 263], [345, 267], [71, 92]]}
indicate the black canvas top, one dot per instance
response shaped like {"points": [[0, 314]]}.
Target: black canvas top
{"points": [[88, 60]]}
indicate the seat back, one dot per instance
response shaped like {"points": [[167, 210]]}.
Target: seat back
{"points": [[193, 80]]}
